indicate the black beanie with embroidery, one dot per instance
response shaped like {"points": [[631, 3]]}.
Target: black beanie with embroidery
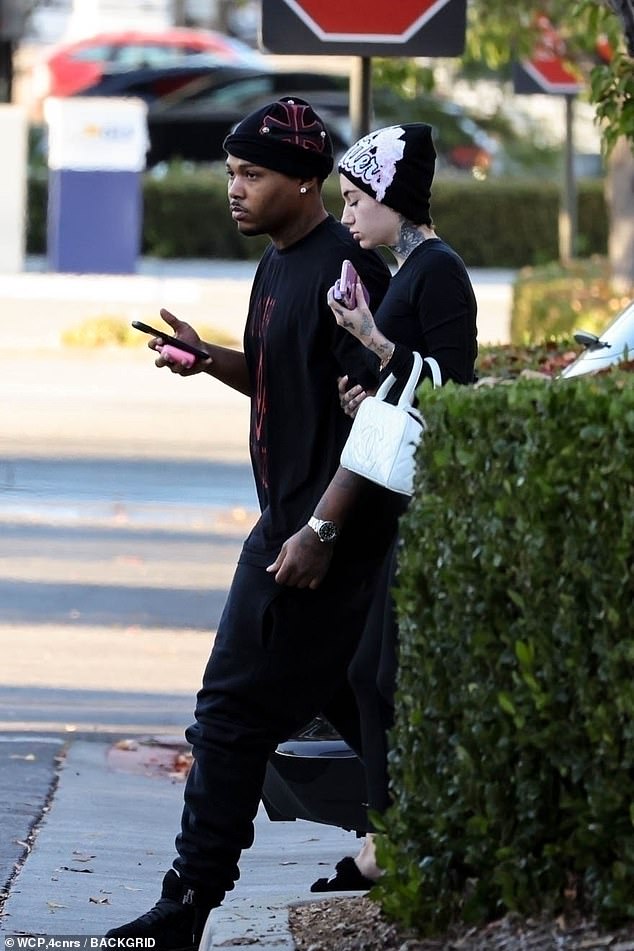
{"points": [[395, 166], [286, 136]]}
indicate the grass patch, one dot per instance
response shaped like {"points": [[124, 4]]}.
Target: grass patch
{"points": [[109, 330]]}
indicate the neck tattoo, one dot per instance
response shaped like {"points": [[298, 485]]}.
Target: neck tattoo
{"points": [[409, 237]]}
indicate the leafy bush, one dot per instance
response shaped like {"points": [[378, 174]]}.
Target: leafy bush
{"points": [[506, 361], [513, 752], [554, 300], [186, 216], [110, 330]]}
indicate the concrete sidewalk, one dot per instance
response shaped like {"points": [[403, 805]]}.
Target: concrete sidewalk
{"points": [[106, 840], [37, 306]]}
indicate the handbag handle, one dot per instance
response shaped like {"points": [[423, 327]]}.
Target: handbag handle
{"points": [[407, 396], [410, 387], [436, 375]]}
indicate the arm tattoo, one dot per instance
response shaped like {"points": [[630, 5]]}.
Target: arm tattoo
{"points": [[367, 326]]}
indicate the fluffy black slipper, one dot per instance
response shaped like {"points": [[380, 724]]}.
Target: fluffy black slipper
{"points": [[347, 879]]}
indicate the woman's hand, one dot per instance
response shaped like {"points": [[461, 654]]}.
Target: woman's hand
{"points": [[350, 398], [358, 321]]}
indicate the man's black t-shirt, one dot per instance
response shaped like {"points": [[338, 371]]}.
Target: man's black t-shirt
{"points": [[295, 351]]}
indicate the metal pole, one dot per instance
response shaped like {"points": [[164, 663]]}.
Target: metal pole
{"points": [[360, 96], [568, 207]]}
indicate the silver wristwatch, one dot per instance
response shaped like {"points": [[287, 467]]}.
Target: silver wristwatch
{"points": [[325, 531]]}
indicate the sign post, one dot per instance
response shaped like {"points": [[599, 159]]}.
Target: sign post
{"points": [[547, 72], [364, 28]]}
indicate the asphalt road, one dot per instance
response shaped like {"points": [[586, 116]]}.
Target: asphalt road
{"points": [[125, 494]]}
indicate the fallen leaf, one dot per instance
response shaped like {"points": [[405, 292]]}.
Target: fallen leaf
{"points": [[126, 745]]}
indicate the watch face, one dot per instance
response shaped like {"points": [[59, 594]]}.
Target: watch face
{"points": [[327, 531]]}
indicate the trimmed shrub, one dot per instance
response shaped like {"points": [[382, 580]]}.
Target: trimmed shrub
{"points": [[491, 224], [555, 300], [512, 758]]}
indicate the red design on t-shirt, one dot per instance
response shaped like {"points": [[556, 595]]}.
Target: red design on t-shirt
{"points": [[259, 406]]}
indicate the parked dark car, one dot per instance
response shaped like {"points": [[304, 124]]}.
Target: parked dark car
{"points": [[152, 84], [193, 106]]}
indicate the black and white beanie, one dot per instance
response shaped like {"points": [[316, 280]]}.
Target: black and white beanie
{"points": [[395, 165], [286, 136]]}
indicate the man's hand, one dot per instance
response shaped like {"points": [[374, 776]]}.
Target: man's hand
{"points": [[184, 332], [303, 560], [350, 399]]}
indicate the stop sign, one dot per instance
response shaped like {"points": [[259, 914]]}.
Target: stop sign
{"points": [[547, 70], [365, 27], [546, 75], [330, 20]]}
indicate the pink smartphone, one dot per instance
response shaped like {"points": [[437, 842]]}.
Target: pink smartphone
{"points": [[176, 355], [173, 349], [344, 287]]}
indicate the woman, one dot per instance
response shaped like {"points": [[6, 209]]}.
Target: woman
{"points": [[429, 307]]}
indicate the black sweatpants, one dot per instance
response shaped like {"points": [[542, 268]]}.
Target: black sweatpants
{"points": [[281, 656], [373, 678]]}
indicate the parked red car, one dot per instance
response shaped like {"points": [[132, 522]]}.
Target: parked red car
{"points": [[75, 66]]}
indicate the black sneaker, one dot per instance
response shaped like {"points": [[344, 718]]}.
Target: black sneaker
{"points": [[176, 922]]}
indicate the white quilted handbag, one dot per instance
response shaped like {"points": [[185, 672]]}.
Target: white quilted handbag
{"points": [[384, 437]]}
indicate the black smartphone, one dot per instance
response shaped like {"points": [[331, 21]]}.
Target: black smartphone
{"points": [[171, 341]]}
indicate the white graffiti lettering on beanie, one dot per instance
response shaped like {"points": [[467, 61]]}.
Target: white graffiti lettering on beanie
{"points": [[373, 159]]}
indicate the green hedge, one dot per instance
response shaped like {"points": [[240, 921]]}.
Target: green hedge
{"points": [[513, 752], [555, 300], [491, 224]]}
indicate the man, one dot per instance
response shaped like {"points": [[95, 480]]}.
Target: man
{"points": [[282, 649]]}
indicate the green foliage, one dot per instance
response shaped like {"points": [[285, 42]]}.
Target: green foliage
{"points": [[476, 219], [612, 89], [37, 194], [103, 331], [508, 361], [499, 32], [555, 300], [186, 216], [512, 758], [405, 75], [111, 330]]}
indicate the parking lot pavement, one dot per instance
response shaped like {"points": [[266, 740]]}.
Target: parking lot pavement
{"points": [[36, 306]]}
